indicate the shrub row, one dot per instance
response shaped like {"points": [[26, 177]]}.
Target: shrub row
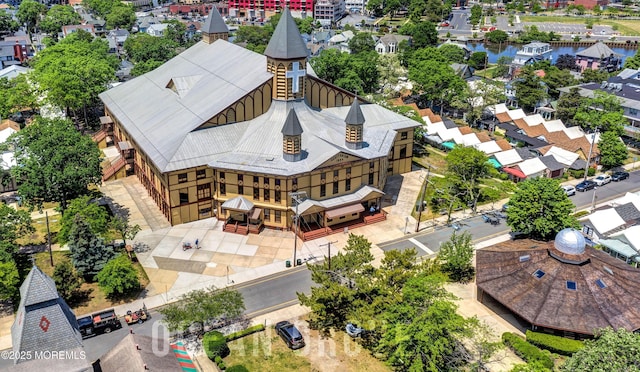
{"points": [[554, 344], [245, 332], [220, 363], [579, 214], [215, 345], [526, 351]]}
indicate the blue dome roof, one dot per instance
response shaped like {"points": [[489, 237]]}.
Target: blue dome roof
{"points": [[570, 241]]}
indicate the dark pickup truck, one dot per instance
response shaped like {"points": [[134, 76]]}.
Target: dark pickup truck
{"points": [[100, 322]]}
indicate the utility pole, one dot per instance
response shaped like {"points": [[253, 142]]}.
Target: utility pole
{"points": [[46, 216], [421, 205], [593, 139], [329, 255], [295, 196]]}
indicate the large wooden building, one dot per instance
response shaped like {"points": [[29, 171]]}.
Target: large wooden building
{"points": [[221, 130]]}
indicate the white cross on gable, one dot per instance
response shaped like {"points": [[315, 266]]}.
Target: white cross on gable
{"points": [[296, 73]]}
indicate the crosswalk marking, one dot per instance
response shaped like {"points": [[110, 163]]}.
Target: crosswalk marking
{"points": [[421, 246]]}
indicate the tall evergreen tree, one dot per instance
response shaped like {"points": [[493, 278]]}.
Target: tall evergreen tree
{"points": [[88, 251]]}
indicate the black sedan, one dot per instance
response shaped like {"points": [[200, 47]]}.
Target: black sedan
{"points": [[619, 176], [585, 185]]}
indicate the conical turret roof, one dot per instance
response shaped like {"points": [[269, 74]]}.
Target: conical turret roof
{"points": [[214, 23], [286, 42], [292, 125], [355, 116]]}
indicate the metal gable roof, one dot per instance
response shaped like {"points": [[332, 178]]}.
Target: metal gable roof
{"points": [[159, 119]]}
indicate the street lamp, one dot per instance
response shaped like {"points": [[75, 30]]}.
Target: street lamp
{"points": [[593, 199], [593, 140], [421, 203], [295, 196]]}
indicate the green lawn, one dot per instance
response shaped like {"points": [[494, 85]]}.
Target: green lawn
{"points": [[624, 26], [265, 352]]}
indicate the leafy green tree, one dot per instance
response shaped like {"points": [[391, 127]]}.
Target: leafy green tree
{"points": [[55, 163], [176, 32], [613, 152], [74, 71], [346, 281], [452, 53], [144, 47], [436, 82], [330, 64], [13, 225], [456, 257], [118, 277], [361, 42], [7, 23], [603, 111], [121, 16], [376, 7], [424, 34], [365, 64], [594, 76], [125, 229], [95, 215], [556, 78], [143, 67], [201, 305], [67, 280], [478, 60], [17, 95], [423, 331], [88, 252], [58, 16], [496, 36], [29, 13], [466, 166], [633, 62], [9, 280], [502, 66], [609, 351], [476, 14], [100, 7], [530, 89], [539, 208], [566, 62], [568, 105]]}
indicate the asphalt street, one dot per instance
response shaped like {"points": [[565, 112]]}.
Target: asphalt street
{"points": [[279, 290]]}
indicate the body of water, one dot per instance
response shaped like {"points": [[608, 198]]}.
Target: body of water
{"points": [[495, 52]]}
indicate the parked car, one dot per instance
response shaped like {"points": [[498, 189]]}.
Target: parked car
{"points": [[585, 185], [619, 176], [569, 190], [602, 179], [290, 334]]}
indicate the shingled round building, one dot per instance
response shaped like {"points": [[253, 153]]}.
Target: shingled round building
{"points": [[221, 130], [561, 287]]}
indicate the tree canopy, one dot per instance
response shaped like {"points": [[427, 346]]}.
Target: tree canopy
{"points": [[55, 163], [17, 95], [88, 252], [603, 111], [95, 215], [7, 23], [121, 16], [497, 36], [568, 105], [58, 16], [29, 13], [201, 305], [118, 277], [456, 257], [539, 208], [613, 152], [609, 351], [74, 71], [361, 42], [530, 89], [149, 52], [466, 166], [353, 72], [435, 82]]}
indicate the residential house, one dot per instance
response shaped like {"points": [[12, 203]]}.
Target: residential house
{"points": [[598, 57], [157, 29], [13, 71], [626, 86], [116, 39], [389, 43], [69, 29], [528, 55], [249, 8]]}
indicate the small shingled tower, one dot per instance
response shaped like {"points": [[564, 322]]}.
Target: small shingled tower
{"points": [[287, 59], [44, 323], [292, 137], [214, 27], [355, 124]]}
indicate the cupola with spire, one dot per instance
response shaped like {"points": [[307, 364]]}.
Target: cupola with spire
{"points": [[355, 124], [292, 137], [287, 59], [214, 27]]}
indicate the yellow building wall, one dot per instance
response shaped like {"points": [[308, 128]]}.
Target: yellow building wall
{"points": [[193, 206], [250, 106], [321, 94]]}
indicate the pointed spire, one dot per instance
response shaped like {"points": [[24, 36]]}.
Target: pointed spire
{"points": [[214, 27], [292, 125], [286, 42], [355, 116]]}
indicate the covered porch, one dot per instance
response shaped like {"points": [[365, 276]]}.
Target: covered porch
{"points": [[320, 218], [241, 216]]}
